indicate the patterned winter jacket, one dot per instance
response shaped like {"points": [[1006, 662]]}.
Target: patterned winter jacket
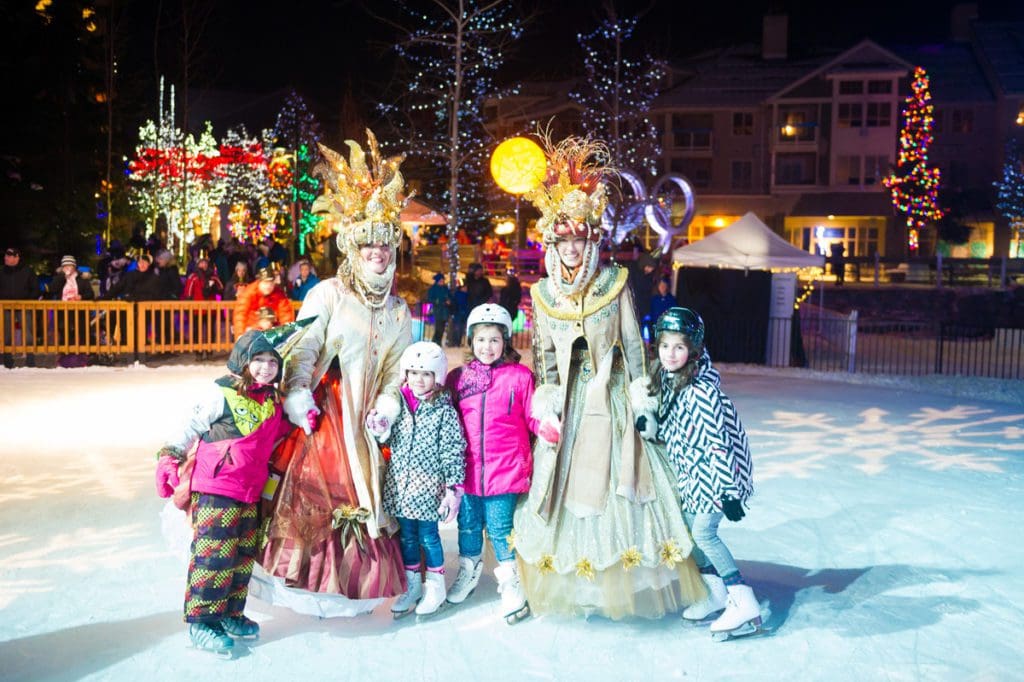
{"points": [[705, 441], [427, 455]]}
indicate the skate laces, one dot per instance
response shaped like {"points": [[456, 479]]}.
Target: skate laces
{"points": [[208, 635]]}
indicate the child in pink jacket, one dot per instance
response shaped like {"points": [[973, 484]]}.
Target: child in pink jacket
{"points": [[236, 423], [493, 393]]}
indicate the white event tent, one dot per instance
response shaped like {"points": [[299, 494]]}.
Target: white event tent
{"points": [[747, 244]]}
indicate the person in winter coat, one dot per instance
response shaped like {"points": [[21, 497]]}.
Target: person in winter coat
{"points": [[708, 447], [237, 281], [511, 294], [306, 281], [18, 283], [424, 477], [203, 284], [70, 285], [493, 393], [439, 296], [263, 293], [236, 424], [478, 287]]}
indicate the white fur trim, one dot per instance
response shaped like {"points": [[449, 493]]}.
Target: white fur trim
{"points": [[297, 405], [547, 401], [640, 398]]}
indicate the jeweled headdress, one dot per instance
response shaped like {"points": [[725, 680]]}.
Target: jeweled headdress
{"points": [[573, 195], [366, 201], [365, 198]]}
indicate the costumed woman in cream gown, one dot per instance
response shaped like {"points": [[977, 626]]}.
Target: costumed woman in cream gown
{"points": [[330, 548], [600, 531]]}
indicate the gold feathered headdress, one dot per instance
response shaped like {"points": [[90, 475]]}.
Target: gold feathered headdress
{"points": [[365, 198], [573, 195]]}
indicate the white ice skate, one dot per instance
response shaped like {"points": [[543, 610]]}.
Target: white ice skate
{"points": [[433, 596], [513, 602], [404, 605], [742, 615], [713, 603], [470, 569]]}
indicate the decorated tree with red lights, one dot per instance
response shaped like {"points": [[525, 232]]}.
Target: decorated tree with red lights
{"points": [[914, 183]]}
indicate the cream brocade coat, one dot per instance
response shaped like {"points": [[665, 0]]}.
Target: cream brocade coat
{"points": [[600, 530], [368, 344]]}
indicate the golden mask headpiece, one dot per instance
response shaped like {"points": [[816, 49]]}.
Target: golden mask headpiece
{"points": [[364, 198], [573, 196]]}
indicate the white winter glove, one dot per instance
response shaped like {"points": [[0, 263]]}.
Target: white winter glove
{"points": [[299, 405], [386, 410], [449, 509], [378, 425]]}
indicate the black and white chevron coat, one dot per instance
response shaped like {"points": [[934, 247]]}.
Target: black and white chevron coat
{"points": [[705, 442], [427, 455]]}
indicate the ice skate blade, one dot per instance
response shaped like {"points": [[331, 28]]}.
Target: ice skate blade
{"points": [[745, 630], [516, 616], [399, 615], [223, 654], [424, 617], [244, 638], [456, 603]]}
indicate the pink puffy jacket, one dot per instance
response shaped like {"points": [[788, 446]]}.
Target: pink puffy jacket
{"points": [[236, 466], [497, 424]]}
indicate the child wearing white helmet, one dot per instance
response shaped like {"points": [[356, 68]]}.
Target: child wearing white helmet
{"points": [[425, 472], [493, 393]]}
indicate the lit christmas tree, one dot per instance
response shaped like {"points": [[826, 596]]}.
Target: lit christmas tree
{"points": [[617, 94], [295, 137], [913, 183], [452, 57], [1010, 196]]}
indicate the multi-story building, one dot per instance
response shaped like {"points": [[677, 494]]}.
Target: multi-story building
{"points": [[804, 142]]}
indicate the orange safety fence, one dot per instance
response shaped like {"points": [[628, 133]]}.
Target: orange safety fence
{"points": [[67, 327]]}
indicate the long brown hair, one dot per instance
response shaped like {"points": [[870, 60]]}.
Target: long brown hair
{"points": [[684, 375]]}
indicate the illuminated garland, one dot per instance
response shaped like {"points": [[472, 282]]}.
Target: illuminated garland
{"points": [[294, 144], [913, 183]]}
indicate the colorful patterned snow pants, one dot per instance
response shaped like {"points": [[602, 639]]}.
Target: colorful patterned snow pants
{"points": [[223, 550]]}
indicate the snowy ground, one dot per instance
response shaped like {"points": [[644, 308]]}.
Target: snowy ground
{"points": [[884, 544]]}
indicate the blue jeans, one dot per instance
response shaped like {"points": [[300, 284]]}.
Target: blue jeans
{"points": [[493, 511], [709, 550], [416, 534]]}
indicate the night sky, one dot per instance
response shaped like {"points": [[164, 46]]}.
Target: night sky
{"points": [[323, 47]]}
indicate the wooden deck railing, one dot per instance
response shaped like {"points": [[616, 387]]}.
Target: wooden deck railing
{"points": [[67, 327]]}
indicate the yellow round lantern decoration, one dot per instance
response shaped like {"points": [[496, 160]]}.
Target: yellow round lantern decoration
{"points": [[518, 165]]}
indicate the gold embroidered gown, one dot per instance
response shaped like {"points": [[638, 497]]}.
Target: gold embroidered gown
{"points": [[600, 531]]}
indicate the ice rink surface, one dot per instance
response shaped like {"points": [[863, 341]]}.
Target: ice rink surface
{"points": [[884, 543]]}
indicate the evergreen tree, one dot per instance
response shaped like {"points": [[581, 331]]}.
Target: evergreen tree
{"points": [[247, 190], [913, 183], [1010, 195]]}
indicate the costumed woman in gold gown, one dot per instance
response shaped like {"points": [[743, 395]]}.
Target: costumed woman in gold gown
{"points": [[331, 549], [600, 531]]}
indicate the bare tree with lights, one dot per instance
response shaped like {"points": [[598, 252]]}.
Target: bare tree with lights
{"points": [[452, 57], [617, 93]]}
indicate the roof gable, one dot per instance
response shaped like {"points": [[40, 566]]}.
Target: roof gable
{"points": [[865, 57]]}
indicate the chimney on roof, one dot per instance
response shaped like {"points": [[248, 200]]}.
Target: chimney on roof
{"points": [[960, 18], [774, 36]]}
